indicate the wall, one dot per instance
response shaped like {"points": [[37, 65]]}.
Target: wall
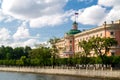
{"points": [[75, 72]]}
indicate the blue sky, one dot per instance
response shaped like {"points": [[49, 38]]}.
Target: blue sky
{"points": [[31, 22]]}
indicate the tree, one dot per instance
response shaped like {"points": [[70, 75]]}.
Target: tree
{"points": [[27, 50], [43, 54], [108, 43], [99, 44], [18, 52], [9, 52], [53, 44], [54, 49], [86, 46], [2, 52]]}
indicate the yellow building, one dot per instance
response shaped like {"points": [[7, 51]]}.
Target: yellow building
{"points": [[68, 45]]}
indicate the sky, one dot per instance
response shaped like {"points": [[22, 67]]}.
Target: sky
{"points": [[33, 22]]}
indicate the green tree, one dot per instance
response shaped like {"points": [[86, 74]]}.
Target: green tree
{"points": [[86, 46], [18, 52], [9, 52], [41, 53], [54, 49], [2, 52], [99, 44], [109, 43], [27, 49]]}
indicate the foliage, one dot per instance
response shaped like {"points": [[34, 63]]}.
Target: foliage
{"points": [[86, 45], [54, 49], [44, 56]]}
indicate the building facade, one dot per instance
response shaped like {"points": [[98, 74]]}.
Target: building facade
{"points": [[68, 45]]}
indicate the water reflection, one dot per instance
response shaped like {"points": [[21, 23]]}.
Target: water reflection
{"points": [[30, 76]]}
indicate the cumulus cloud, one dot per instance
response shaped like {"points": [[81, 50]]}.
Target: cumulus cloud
{"points": [[91, 15], [52, 20], [47, 21], [22, 32], [32, 8], [6, 39], [114, 13], [29, 42], [2, 16], [4, 34], [33, 41], [109, 3], [104, 10], [39, 11], [5, 18]]}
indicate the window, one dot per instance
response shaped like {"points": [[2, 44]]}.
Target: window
{"points": [[101, 34], [70, 48], [112, 53], [111, 33], [70, 41], [97, 35]]}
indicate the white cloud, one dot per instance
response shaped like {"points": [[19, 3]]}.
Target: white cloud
{"points": [[52, 20], [91, 15], [20, 38], [5, 18], [23, 38], [87, 1], [105, 10], [2, 16], [40, 13], [31, 42], [4, 34], [109, 3], [22, 32], [9, 19], [7, 40], [114, 13], [47, 21]]}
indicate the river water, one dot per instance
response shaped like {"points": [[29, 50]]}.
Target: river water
{"points": [[31, 76]]}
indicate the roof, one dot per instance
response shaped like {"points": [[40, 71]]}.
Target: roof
{"points": [[73, 31]]}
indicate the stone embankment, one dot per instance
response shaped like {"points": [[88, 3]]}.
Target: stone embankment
{"points": [[74, 72]]}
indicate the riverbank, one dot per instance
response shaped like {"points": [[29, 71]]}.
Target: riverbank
{"points": [[73, 72]]}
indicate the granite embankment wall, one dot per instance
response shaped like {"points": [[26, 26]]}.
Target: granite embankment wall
{"points": [[75, 72]]}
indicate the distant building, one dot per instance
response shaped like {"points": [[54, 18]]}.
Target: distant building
{"points": [[68, 45]]}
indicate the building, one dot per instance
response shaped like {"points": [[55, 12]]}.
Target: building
{"points": [[68, 45]]}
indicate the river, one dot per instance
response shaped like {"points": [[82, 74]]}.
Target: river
{"points": [[31, 76]]}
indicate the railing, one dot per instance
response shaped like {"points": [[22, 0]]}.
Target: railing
{"points": [[78, 66]]}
